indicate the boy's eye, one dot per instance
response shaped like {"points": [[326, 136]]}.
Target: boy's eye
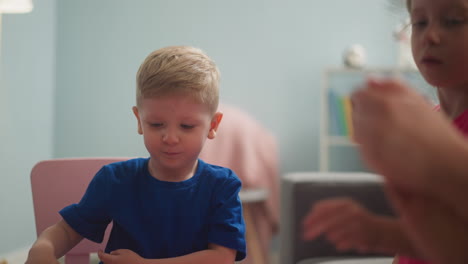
{"points": [[184, 126], [156, 124]]}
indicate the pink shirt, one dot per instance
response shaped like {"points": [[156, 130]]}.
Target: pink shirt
{"points": [[407, 260], [461, 122]]}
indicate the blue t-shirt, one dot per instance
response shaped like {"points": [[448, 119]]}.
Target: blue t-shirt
{"points": [[159, 219]]}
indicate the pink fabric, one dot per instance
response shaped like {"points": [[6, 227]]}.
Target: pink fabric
{"points": [[407, 260], [250, 150], [461, 122]]}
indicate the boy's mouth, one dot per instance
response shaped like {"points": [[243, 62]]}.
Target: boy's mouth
{"points": [[169, 153]]}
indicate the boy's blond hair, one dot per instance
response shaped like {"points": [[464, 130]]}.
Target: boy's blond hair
{"points": [[179, 70]]}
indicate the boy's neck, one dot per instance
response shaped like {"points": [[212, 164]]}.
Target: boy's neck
{"points": [[171, 175]]}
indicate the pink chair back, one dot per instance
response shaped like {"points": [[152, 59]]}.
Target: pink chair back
{"points": [[60, 182]]}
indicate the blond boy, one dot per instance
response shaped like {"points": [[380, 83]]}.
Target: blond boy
{"points": [[171, 207]]}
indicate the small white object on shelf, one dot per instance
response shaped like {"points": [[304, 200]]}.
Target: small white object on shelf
{"points": [[355, 56]]}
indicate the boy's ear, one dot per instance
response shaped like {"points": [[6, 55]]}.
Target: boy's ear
{"points": [[218, 116], [137, 115]]}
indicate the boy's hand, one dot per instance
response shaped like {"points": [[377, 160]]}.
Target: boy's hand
{"points": [[348, 225], [120, 256]]}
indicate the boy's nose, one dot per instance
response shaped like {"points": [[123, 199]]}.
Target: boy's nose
{"points": [[170, 137]]}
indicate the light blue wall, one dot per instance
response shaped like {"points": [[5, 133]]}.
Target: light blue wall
{"points": [[26, 118], [271, 55]]}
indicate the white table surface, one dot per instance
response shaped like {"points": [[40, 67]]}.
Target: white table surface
{"points": [[379, 260], [251, 195]]}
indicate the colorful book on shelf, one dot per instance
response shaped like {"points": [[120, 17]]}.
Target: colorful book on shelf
{"points": [[340, 121], [342, 116], [348, 111], [336, 125]]}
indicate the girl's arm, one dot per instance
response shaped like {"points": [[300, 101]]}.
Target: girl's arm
{"points": [[53, 243], [215, 254], [450, 181]]}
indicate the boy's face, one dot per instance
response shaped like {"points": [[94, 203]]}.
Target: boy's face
{"points": [[175, 128], [440, 40]]}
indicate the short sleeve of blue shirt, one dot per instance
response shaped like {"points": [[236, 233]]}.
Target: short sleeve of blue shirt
{"points": [[89, 217], [227, 227]]}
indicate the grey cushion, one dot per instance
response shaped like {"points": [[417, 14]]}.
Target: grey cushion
{"points": [[299, 191]]}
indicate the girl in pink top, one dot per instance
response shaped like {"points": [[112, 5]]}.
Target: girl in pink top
{"points": [[439, 43], [439, 39]]}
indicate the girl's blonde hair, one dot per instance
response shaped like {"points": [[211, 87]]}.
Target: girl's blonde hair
{"points": [[179, 70]]}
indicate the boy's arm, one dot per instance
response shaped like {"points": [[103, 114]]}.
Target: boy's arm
{"points": [[215, 254], [53, 243]]}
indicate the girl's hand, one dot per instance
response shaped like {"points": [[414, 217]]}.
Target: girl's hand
{"points": [[400, 135], [120, 256], [348, 225]]}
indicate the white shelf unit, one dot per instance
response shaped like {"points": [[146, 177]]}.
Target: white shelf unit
{"points": [[343, 81]]}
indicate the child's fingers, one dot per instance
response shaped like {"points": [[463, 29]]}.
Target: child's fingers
{"points": [[104, 257], [324, 226], [343, 245], [316, 226], [347, 230], [352, 227], [354, 233], [348, 239], [343, 223], [324, 209], [328, 215], [341, 236], [320, 213], [107, 258]]}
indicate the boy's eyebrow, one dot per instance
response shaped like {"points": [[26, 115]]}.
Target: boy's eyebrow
{"points": [[190, 119]]}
